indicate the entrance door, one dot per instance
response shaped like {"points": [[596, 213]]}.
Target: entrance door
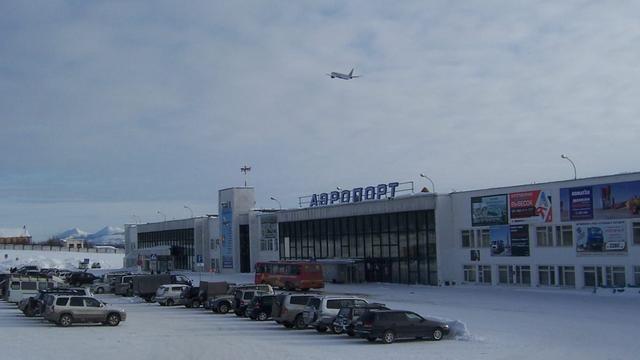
{"points": [[245, 249]]}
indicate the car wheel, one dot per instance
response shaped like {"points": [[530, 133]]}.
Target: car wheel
{"points": [[65, 320], [223, 308], [351, 333], [388, 337], [299, 322], [29, 313], [437, 334], [187, 305], [196, 304], [288, 325], [321, 329], [371, 339], [337, 329], [262, 316], [238, 313], [99, 290], [170, 302], [113, 319]]}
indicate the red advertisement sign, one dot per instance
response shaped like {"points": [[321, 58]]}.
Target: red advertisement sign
{"points": [[530, 206]]}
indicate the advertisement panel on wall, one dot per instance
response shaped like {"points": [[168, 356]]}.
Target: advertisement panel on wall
{"points": [[519, 240], [500, 244], [226, 230], [489, 210], [530, 206], [601, 237], [512, 240], [601, 202]]}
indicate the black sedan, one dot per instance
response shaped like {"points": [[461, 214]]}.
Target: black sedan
{"points": [[390, 325]]}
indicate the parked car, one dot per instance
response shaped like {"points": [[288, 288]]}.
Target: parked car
{"points": [[191, 297], [169, 295], [260, 307], [242, 298], [223, 302], [80, 278], [145, 286], [66, 310], [390, 325], [287, 309], [23, 287], [320, 312], [347, 317], [35, 305]]}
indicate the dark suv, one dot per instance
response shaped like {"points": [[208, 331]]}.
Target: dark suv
{"points": [[260, 307], [348, 316], [241, 300], [390, 325], [81, 278], [192, 297]]}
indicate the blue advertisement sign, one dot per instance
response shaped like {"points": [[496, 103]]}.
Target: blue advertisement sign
{"points": [[601, 202], [226, 230]]}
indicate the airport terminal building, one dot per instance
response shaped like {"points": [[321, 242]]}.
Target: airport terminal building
{"points": [[573, 234]]}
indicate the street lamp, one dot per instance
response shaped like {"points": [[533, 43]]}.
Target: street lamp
{"points": [[188, 208], [278, 201], [433, 186], [338, 188], [165, 216], [575, 174]]}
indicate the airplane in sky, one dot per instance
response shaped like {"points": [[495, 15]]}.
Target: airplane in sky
{"points": [[338, 75]]}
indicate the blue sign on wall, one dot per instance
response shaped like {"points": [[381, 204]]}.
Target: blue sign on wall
{"points": [[226, 229], [380, 191], [581, 203]]}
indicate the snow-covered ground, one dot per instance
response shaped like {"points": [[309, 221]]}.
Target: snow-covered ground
{"points": [[56, 259], [501, 323]]}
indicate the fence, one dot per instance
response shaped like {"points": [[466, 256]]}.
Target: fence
{"points": [[59, 248]]}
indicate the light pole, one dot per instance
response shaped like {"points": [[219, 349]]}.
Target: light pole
{"points": [[278, 201], [433, 186], [338, 188], [575, 174], [188, 208], [165, 216]]}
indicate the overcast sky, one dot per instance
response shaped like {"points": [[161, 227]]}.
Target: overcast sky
{"points": [[109, 109]]}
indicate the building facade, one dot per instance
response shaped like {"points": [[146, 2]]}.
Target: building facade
{"points": [[18, 236], [579, 233]]}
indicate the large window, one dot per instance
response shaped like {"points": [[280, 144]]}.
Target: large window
{"points": [[485, 238], [564, 235], [636, 233], [395, 247], [484, 274], [616, 276], [636, 275], [470, 273], [547, 275], [544, 236], [514, 274], [593, 276], [567, 276], [467, 238]]}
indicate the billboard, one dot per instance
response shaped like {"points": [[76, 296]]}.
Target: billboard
{"points": [[510, 240], [601, 237], [489, 210], [601, 202], [530, 206], [226, 227]]}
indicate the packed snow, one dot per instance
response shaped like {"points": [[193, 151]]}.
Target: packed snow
{"points": [[489, 323]]}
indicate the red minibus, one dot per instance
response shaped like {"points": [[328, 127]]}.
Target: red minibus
{"points": [[290, 275]]}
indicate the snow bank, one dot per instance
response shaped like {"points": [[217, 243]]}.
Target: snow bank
{"points": [[56, 259]]}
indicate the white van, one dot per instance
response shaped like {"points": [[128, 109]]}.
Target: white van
{"points": [[168, 295], [23, 287]]}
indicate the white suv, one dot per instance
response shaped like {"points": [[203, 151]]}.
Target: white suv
{"points": [[169, 295], [320, 312]]}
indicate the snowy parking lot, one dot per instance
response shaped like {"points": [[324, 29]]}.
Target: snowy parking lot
{"points": [[497, 323]]}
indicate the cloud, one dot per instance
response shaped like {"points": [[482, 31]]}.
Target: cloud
{"points": [[152, 102]]}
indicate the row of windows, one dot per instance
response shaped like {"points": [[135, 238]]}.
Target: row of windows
{"points": [[551, 275], [544, 236], [398, 247], [181, 242]]}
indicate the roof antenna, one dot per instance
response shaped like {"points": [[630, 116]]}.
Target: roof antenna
{"points": [[245, 170]]}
